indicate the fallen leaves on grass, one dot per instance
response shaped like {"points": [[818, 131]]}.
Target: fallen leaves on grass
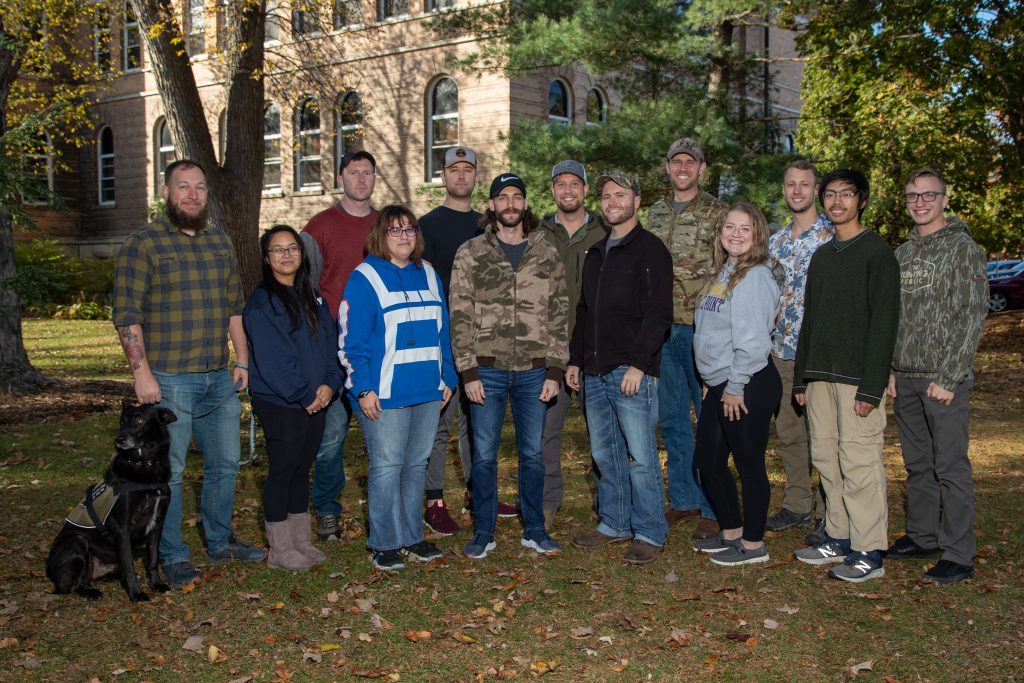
{"points": [[193, 644], [377, 672], [214, 655], [581, 632], [679, 637], [861, 667], [671, 576], [771, 624], [416, 636]]}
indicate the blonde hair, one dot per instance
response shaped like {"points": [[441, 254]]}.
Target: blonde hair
{"points": [[755, 256]]}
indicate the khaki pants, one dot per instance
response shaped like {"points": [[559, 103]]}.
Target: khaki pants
{"points": [[847, 451], [794, 453]]}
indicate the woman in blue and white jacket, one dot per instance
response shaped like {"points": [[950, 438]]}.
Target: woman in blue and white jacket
{"points": [[742, 389], [396, 348]]}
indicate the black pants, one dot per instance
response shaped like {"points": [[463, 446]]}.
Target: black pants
{"points": [[293, 439], [746, 439]]}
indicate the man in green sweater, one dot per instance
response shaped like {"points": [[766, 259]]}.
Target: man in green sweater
{"points": [[943, 301], [852, 308]]}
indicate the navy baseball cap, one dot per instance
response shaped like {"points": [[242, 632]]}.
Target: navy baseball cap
{"points": [[504, 180]]}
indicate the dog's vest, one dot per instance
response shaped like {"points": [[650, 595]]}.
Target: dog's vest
{"points": [[100, 499]]}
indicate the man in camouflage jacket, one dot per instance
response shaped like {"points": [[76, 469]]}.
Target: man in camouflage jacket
{"points": [[685, 222], [943, 303], [510, 340]]}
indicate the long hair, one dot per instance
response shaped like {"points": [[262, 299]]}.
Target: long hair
{"points": [[756, 255], [489, 221], [377, 240], [305, 296]]}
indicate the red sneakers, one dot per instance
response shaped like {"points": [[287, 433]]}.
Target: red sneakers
{"points": [[438, 520]]}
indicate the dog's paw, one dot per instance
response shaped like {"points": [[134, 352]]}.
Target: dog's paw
{"points": [[90, 593], [139, 597], [161, 587]]}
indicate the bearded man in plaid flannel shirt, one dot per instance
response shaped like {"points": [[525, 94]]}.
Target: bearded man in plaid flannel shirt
{"points": [[176, 300]]}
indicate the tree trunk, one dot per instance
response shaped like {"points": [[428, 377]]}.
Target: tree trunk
{"points": [[236, 187], [16, 373], [720, 72]]}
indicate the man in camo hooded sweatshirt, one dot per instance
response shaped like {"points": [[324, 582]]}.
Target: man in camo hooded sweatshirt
{"points": [[944, 297]]}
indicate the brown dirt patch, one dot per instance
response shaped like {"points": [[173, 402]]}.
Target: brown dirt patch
{"points": [[67, 400]]}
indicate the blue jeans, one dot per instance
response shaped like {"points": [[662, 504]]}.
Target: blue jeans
{"points": [[679, 387], [630, 492], [207, 406], [329, 471], [399, 444], [523, 389]]}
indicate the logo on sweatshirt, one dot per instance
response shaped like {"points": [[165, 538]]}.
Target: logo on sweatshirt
{"points": [[916, 274]]}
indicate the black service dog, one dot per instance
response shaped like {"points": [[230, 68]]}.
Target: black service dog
{"points": [[123, 512]]}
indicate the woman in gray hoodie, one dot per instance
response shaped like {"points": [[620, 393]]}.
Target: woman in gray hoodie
{"points": [[742, 389]]}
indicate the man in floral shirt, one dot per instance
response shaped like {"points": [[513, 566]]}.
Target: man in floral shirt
{"points": [[792, 247]]}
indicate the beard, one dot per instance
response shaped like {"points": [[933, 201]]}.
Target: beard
{"points": [[510, 218], [180, 219], [627, 212], [459, 193], [569, 205]]}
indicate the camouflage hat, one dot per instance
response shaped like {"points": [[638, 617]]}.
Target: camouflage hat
{"points": [[620, 178], [457, 154], [685, 146]]}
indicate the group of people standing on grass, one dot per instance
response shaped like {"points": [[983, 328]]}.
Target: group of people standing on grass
{"points": [[407, 322]]}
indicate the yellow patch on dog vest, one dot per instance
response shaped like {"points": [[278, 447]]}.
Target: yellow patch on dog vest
{"points": [[102, 499]]}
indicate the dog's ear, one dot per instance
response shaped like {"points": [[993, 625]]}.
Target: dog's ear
{"points": [[166, 416]]}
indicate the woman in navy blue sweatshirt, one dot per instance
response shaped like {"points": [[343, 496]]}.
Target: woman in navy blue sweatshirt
{"points": [[396, 349], [293, 374]]}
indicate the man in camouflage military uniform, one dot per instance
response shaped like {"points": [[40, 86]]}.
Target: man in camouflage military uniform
{"points": [[685, 222], [510, 340]]}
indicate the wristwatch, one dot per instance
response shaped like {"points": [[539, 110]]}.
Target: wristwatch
{"points": [[364, 394]]}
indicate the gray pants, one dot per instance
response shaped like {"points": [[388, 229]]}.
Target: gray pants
{"points": [[940, 490], [434, 485], [795, 454], [551, 449]]}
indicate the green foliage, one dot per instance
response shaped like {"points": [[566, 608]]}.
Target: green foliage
{"points": [[890, 87], [48, 282]]}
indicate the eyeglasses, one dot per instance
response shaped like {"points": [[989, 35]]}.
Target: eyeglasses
{"points": [[829, 195], [396, 232], [912, 197], [281, 251]]}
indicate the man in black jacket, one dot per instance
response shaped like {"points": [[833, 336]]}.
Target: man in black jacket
{"points": [[622, 320]]}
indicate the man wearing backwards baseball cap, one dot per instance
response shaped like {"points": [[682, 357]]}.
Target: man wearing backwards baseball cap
{"points": [[572, 230], [625, 311], [509, 337], [685, 221]]}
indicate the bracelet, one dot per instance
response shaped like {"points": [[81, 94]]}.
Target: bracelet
{"points": [[242, 366]]}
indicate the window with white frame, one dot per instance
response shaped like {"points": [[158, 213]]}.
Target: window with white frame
{"points": [[195, 26], [304, 21], [559, 103], [307, 152], [38, 160], [348, 129], [436, 5], [443, 124], [272, 148], [105, 166], [597, 107], [347, 13], [386, 9], [164, 152], [272, 30], [101, 39], [131, 40]]}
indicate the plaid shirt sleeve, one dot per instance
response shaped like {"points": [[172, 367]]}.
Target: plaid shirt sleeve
{"points": [[132, 273]]}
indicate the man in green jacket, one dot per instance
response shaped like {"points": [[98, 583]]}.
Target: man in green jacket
{"points": [[572, 230], [943, 303], [685, 222]]}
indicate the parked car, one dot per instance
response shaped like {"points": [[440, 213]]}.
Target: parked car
{"points": [[1006, 291]]}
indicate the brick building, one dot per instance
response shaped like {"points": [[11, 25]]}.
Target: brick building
{"points": [[394, 94]]}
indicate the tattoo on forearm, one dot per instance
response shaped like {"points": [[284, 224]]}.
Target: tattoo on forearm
{"points": [[132, 346]]}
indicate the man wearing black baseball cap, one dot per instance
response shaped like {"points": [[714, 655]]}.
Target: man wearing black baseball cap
{"points": [[509, 337], [334, 241]]}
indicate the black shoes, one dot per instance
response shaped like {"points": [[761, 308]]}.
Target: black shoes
{"points": [[904, 548], [787, 519], [948, 572]]}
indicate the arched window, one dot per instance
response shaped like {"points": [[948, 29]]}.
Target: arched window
{"points": [[165, 153], [443, 124], [559, 104], [272, 148], [105, 166], [39, 161], [348, 126], [307, 153], [597, 107]]}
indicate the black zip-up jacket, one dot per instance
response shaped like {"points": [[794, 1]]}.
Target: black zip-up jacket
{"points": [[625, 310]]}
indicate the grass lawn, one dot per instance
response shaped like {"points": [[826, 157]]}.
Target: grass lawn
{"points": [[580, 616]]}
